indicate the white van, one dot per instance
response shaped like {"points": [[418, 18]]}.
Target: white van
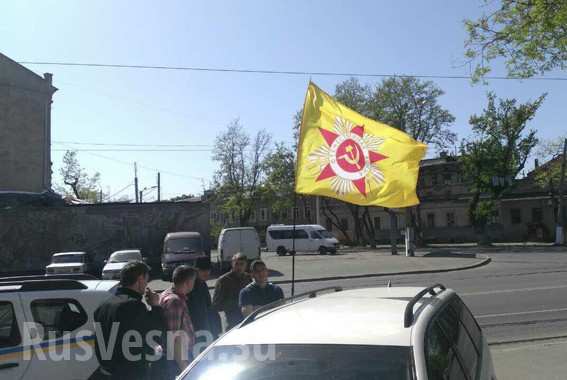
{"points": [[240, 239], [308, 238]]}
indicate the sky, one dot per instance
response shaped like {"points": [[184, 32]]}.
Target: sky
{"points": [[125, 106]]}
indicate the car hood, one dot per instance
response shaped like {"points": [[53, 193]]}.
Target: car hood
{"points": [[65, 265], [113, 267]]}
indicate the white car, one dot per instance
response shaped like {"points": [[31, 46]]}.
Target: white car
{"points": [[63, 309], [240, 239], [375, 333], [117, 260], [70, 263], [308, 238]]}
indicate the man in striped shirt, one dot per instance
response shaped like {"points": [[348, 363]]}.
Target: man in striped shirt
{"points": [[180, 333]]}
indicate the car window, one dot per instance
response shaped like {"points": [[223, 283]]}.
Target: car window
{"points": [[65, 259], [326, 234], [441, 359], [9, 332], [182, 245], [58, 316], [315, 235], [304, 362], [301, 234], [468, 321], [459, 338]]}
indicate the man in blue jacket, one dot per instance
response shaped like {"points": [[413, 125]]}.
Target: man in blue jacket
{"points": [[260, 292]]}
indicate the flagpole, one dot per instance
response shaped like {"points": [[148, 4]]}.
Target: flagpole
{"points": [[293, 245]]}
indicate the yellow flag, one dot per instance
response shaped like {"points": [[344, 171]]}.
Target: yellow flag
{"points": [[347, 156]]}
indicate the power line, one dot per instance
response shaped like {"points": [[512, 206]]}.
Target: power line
{"points": [[133, 150], [281, 72], [120, 191], [139, 145]]}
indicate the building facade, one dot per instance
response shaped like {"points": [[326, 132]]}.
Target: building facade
{"points": [[526, 213], [25, 128]]}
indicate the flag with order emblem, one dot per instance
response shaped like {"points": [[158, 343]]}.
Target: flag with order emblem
{"points": [[344, 155]]}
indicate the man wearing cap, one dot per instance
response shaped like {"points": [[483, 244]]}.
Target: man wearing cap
{"points": [[205, 319]]}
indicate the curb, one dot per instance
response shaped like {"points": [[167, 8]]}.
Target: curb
{"points": [[484, 262]]}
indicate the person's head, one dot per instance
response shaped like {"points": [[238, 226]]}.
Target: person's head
{"points": [[135, 275], [203, 266], [259, 272], [184, 279], [239, 263]]}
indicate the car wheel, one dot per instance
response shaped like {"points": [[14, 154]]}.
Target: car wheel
{"points": [[281, 251], [322, 250]]}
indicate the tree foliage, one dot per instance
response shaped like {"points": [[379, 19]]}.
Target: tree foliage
{"points": [[279, 182], [548, 175], [241, 169], [79, 183], [497, 152], [530, 35]]}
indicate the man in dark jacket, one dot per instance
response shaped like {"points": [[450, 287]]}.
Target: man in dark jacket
{"points": [[126, 318], [206, 320], [227, 290]]}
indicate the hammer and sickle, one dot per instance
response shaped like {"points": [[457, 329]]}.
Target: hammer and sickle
{"points": [[350, 157]]}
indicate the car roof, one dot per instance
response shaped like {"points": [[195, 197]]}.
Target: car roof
{"points": [[370, 316], [176, 235], [286, 226], [126, 251], [55, 283], [69, 253], [238, 229]]}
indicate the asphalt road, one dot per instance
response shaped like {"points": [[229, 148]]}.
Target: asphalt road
{"points": [[520, 297]]}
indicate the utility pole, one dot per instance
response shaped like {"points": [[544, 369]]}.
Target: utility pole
{"points": [[158, 187], [136, 183], [560, 229], [318, 210], [100, 193], [141, 195], [410, 247]]}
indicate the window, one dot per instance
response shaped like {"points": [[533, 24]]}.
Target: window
{"points": [[296, 212], [307, 212], [315, 235], [344, 223], [460, 339], [58, 316], [440, 357], [468, 321], [430, 220], [516, 216], [450, 219], [447, 178], [9, 332], [263, 214], [377, 224], [288, 234], [253, 216], [537, 215], [301, 234], [434, 179], [284, 214]]}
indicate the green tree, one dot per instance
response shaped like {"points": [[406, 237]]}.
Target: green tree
{"points": [[278, 188], [79, 183], [530, 35], [496, 154], [241, 169]]}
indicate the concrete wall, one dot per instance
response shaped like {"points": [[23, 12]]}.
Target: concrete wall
{"points": [[29, 236]]}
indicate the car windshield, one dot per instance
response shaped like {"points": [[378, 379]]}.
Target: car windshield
{"points": [[304, 362], [64, 259], [325, 234], [184, 245], [124, 257]]}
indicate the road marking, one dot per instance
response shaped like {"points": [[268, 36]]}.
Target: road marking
{"points": [[514, 290], [521, 313]]}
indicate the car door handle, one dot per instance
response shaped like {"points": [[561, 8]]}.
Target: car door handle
{"points": [[8, 365]]}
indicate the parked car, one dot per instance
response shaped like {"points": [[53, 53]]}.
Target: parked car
{"points": [[233, 240], [63, 306], [71, 263], [117, 260], [181, 248], [308, 238], [396, 333]]}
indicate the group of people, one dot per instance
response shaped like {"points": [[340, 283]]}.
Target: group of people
{"points": [[159, 338]]}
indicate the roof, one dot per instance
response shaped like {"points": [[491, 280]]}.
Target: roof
{"points": [[179, 235], [239, 229], [69, 253], [370, 316], [127, 251], [14, 74], [275, 226]]}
